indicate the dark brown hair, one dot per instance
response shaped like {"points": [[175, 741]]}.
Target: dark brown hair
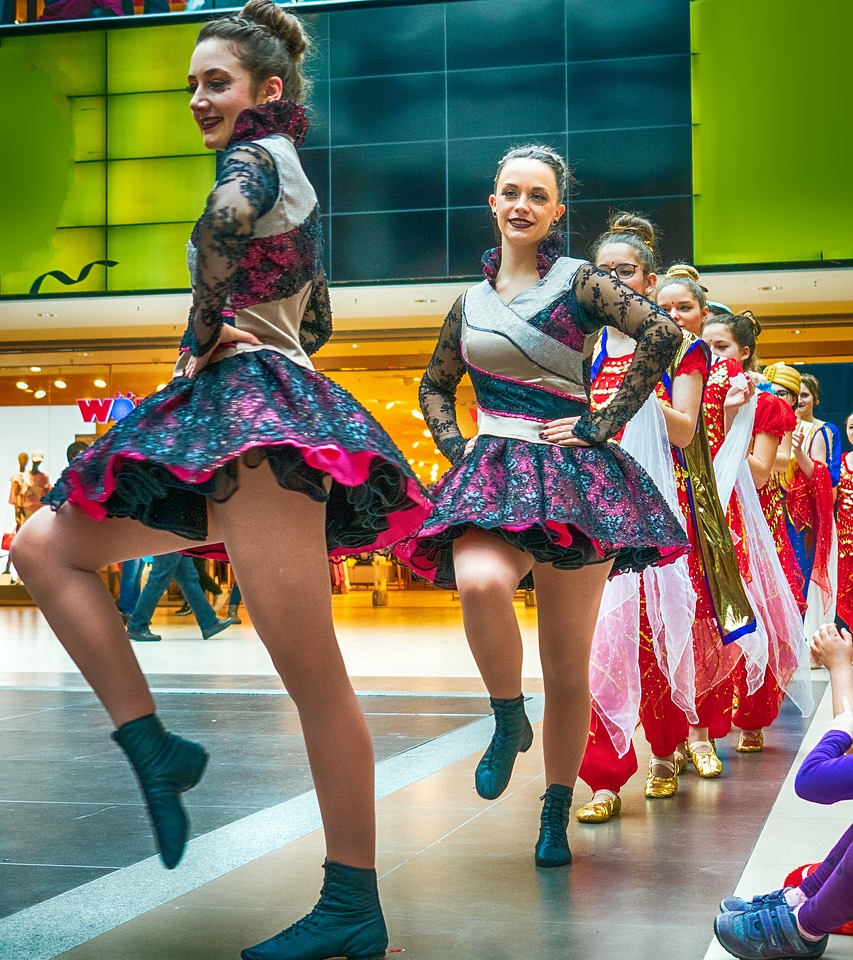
{"points": [[687, 276], [745, 328], [637, 232], [546, 155], [268, 42]]}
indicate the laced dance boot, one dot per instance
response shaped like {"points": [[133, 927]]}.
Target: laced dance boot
{"points": [[347, 922], [552, 847], [513, 735], [165, 766]]}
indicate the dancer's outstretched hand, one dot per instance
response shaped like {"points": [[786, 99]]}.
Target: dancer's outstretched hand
{"points": [[832, 648]]}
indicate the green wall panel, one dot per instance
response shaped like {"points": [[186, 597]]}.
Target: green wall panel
{"points": [[89, 118], [772, 131], [69, 252], [151, 256], [158, 191], [150, 58], [84, 204], [152, 125]]}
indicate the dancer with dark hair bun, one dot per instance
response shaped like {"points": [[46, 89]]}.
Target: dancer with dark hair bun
{"points": [[250, 447], [539, 489]]}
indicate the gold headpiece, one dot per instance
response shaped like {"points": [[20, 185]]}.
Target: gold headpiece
{"points": [[784, 376]]}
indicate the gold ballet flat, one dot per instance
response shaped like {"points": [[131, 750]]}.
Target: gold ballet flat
{"points": [[599, 811], [707, 763], [659, 788], [750, 741], [681, 761]]}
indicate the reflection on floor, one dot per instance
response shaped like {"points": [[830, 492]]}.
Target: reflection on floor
{"points": [[457, 874]]}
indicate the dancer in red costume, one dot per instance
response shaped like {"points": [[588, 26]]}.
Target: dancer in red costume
{"points": [[734, 336], [627, 251], [727, 390], [844, 527]]}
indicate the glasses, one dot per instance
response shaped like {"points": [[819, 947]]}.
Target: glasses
{"points": [[622, 271], [782, 393]]}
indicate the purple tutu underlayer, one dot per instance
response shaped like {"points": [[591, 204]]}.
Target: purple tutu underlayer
{"points": [[182, 446], [567, 506]]}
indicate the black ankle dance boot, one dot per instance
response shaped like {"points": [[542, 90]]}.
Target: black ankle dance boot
{"points": [[165, 765], [347, 922], [513, 735], [552, 848]]}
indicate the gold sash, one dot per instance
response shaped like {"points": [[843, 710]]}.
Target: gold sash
{"points": [[714, 540]]}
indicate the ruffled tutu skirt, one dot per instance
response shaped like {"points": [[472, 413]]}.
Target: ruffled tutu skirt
{"points": [[568, 506], [181, 447]]}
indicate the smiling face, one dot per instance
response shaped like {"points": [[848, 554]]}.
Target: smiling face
{"points": [[526, 203], [681, 304], [719, 338], [615, 258], [221, 90]]}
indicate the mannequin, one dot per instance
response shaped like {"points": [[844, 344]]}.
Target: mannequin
{"points": [[36, 485], [16, 489]]}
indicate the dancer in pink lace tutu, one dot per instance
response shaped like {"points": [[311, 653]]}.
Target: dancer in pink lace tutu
{"points": [[249, 446], [540, 489]]}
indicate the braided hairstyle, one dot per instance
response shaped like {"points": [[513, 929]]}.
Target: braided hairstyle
{"points": [[635, 231], [268, 42], [744, 328]]}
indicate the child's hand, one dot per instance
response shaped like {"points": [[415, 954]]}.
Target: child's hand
{"points": [[832, 648], [844, 720]]}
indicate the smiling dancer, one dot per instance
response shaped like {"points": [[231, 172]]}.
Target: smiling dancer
{"points": [[539, 488], [249, 446]]}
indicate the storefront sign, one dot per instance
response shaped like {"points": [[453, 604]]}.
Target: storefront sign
{"points": [[105, 409]]}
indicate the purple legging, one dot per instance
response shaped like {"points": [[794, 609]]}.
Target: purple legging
{"points": [[830, 891]]}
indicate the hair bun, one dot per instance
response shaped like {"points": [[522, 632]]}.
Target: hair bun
{"points": [[632, 223], [686, 271], [288, 27], [756, 323]]}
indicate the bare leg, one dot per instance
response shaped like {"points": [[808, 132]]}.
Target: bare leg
{"points": [[568, 611], [277, 546], [57, 556], [488, 571]]}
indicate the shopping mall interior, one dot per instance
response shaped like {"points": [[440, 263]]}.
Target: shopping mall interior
{"points": [[412, 104]]}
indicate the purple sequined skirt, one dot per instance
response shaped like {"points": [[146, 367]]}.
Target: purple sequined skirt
{"points": [[568, 506], [182, 446]]}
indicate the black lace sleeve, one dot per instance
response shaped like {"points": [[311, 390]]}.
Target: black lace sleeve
{"points": [[658, 339], [246, 189], [316, 325], [437, 392]]}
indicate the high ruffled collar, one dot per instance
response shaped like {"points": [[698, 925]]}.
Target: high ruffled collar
{"points": [[276, 116], [548, 253]]}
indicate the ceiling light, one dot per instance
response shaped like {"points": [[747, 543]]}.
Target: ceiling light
{"points": [[390, 404], [35, 369], [417, 415], [425, 300], [771, 287], [45, 314], [427, 433], [39, 394], [796, 331], [416, 444], [60, 384], [22, 385], [160, 386], [411, 461], [99, 382], [355, 346]]}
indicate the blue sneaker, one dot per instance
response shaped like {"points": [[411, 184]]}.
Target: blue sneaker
{"points": [[775, 898], [768, 934]]}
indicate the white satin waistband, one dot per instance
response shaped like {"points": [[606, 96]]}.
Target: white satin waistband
{"points": [[513, 428]]}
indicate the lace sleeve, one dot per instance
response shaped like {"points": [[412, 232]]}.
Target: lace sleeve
{"points": [[316, 327], [246, 189], [437, 392], [658, 338]]}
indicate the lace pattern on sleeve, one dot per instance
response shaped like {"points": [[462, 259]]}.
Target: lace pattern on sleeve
{"points": [[437, 392], [658, 338], [246, 189], [316, 325]]}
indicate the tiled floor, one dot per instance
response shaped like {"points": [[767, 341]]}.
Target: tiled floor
{"points": [[457, 876]]}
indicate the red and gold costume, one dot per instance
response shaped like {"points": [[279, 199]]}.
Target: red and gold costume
{"points": [[664, 723], [844, 527], [758, 710]]}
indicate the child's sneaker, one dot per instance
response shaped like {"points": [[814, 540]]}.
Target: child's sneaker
{"points": [[768, 934], [775, 898]]}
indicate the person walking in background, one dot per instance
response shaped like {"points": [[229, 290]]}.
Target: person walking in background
{"points": [[844, 526], [248, 447], [164, 569]]}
